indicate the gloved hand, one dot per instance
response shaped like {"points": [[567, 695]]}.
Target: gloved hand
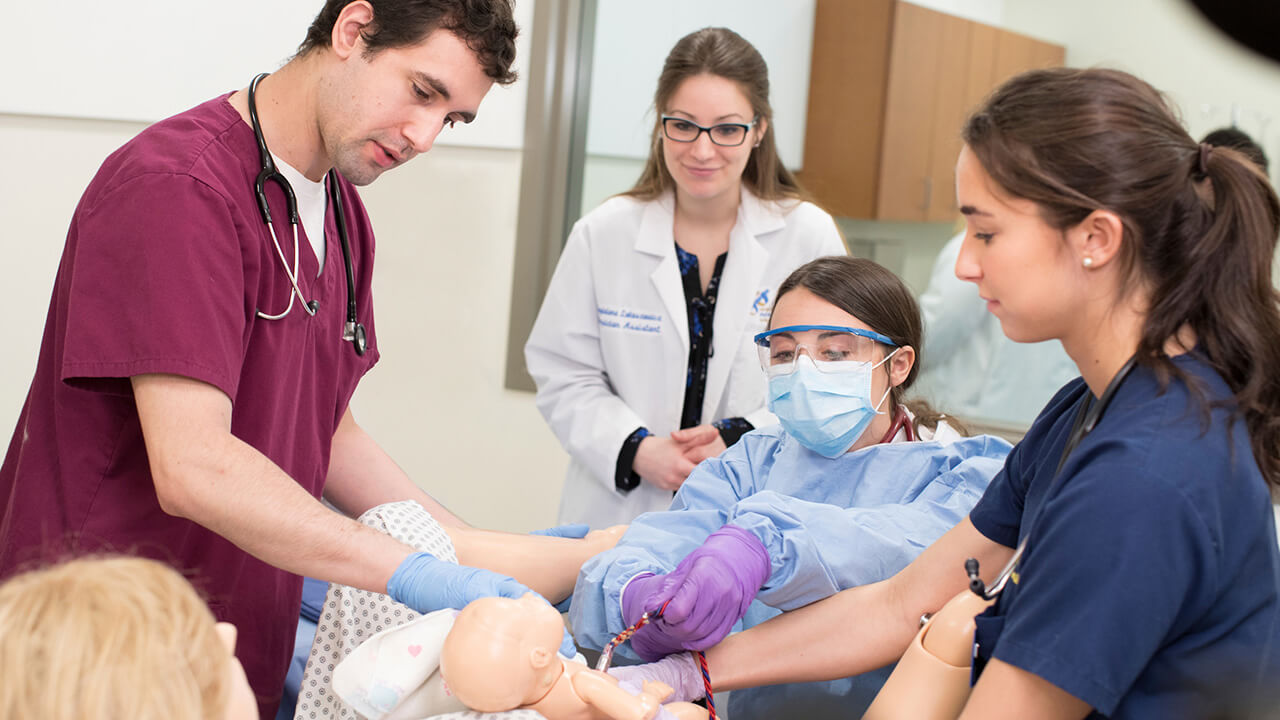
{"points": [[680, 671], [568, 530], [708, 591], [426, 584]]}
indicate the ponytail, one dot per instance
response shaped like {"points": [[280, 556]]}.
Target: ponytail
{"points": [[1214, 274]]}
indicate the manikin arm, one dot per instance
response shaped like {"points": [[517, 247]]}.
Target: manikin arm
{"points": [[602, 692], [547, 565]]}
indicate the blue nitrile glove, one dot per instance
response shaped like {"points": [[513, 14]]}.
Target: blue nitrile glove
{"points": [[704, 596], [573, 531], [568, 530], [426, 584]]}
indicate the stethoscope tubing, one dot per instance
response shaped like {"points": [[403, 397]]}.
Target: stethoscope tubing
{"points": [[353, 331], [1086, 419]]}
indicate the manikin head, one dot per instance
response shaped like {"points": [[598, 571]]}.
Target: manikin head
{"points": [[501, 654]]}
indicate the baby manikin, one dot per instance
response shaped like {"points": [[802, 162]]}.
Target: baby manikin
{"points": [[497, 654]]}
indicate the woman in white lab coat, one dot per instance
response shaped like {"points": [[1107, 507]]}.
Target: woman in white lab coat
{"points": [[642, 350]]}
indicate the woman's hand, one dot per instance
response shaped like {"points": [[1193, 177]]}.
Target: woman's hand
{"points": [[661, 462], [679, 671], [667, 462], [696, 605], [700, 442]]}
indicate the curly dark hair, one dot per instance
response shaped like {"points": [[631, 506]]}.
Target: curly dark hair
{"points": [[486, 26]]}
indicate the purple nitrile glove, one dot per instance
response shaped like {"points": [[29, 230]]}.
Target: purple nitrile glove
{"points": [[704, 596], [680, 671]]}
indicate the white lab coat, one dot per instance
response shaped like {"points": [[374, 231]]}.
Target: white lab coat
{"points": [[610, 348]]}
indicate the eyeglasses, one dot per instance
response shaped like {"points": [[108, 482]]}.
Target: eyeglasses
{"points": [[832, 348], [681, 130]]}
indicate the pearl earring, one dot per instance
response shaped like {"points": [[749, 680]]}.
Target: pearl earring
{"points": [[1088, 262]]}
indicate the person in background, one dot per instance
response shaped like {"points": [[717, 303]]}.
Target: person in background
{"points": [[852, 484], [104, 638], [642, 349], [1133, 523], [1239, 140]]}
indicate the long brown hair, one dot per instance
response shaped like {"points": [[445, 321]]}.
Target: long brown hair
{"points": [[723, 53], [1200, 223], [870, 292]]}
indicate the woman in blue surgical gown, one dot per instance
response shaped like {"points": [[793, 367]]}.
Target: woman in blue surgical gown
{"points": [[850, 487]]}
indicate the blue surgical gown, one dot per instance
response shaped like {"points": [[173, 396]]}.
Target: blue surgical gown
{"points": [[828, 525]]}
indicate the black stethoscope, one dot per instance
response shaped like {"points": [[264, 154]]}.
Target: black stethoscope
{"points": [[1086, 419], [353, 331]]}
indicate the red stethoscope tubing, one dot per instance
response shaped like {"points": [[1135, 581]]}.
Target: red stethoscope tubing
{"points": [[901, 421]]}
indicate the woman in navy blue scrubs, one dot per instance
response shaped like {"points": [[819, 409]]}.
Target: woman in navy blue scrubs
{"points": [[1134, 517]]}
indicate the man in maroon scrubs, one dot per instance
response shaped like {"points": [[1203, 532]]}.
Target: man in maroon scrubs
{"points": [[167, 417]]}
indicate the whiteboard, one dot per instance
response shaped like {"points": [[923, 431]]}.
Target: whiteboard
{"points": [[144, 60], [633, 38]]}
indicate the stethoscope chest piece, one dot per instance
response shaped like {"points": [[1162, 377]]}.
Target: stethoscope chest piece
{"points": [[354, 333]]}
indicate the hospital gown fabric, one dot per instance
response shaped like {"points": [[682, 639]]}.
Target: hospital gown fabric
{"points": [[828, 524]]}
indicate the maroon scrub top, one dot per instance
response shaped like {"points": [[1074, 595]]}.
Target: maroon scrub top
{"points": [[166, 262]]}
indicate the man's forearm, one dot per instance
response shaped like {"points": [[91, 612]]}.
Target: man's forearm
{"points": [[235, 491]]}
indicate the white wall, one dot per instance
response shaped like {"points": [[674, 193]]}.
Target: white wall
{"points": [[113, 61], [446, 238], [1170, 45]]}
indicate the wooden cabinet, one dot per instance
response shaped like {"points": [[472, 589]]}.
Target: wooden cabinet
{"points": [[890, 86]]}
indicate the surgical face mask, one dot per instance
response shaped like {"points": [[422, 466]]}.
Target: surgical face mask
{"points": [[825, 411]]}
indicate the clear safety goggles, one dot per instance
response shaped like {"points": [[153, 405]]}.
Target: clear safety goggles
{"points": [[832, 348]]}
